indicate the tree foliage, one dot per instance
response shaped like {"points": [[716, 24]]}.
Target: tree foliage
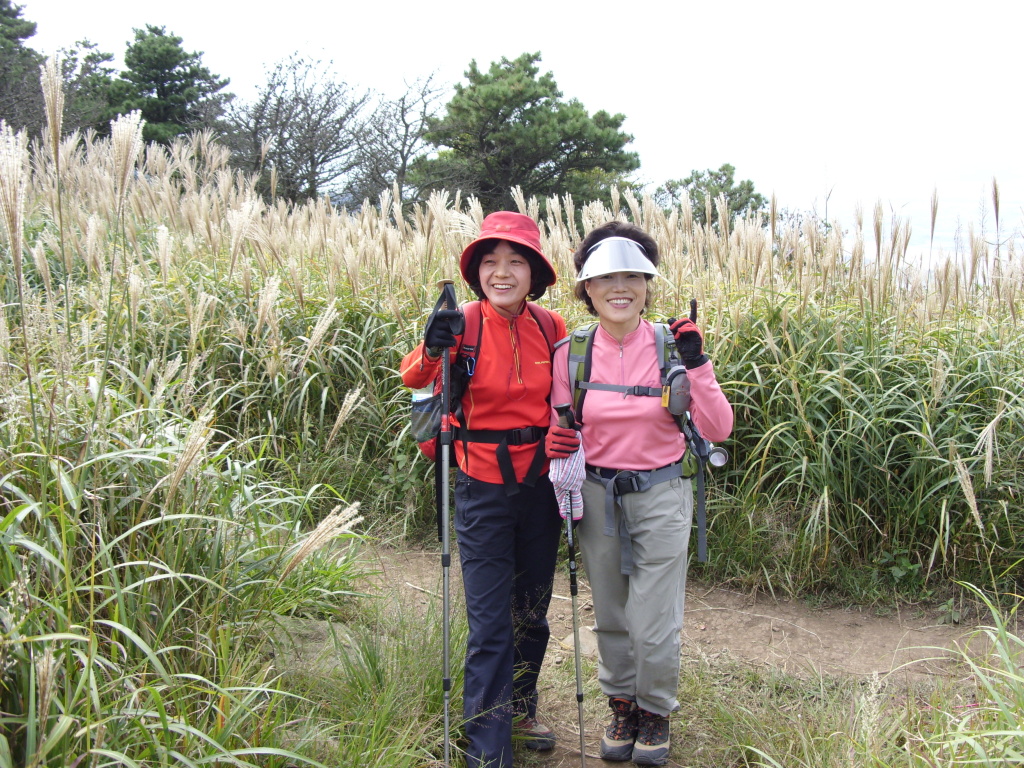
{"points": [[21, 101], [14, 30], [704, 187], [87, 78], [304, 127], [169, 85], [392, 138], [509, 127]]}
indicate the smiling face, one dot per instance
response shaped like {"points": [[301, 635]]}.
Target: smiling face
{"points": [[505, 278], [618, 298]]}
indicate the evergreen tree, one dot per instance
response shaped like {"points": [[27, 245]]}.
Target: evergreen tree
{"points": [[169, 85], [88, 77], [509, 126], [21, 101], [703, 187]]}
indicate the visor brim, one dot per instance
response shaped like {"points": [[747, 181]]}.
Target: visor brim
{"points": [[616, 254]]}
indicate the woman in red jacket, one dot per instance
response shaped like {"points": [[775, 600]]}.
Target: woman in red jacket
{"points": [[506, 519]]}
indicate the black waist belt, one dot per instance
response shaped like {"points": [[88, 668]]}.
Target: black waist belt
{"points": [[503, 438]]}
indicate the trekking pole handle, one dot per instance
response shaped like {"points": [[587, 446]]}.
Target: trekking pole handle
{"points": [[566, 418]]}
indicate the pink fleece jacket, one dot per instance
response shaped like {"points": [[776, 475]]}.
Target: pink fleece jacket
{"points": [[636, 432]]}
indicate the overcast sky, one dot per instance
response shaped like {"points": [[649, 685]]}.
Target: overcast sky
{"points": [[813, 100]]}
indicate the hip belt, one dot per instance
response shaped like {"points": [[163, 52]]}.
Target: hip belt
{"points": [[619, 482], [503, 438]]}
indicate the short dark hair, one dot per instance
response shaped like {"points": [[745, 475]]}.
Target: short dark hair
{"points": [[612, 229], [538, 270]]}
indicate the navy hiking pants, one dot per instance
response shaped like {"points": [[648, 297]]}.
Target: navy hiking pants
{"points": [[507, 546]]}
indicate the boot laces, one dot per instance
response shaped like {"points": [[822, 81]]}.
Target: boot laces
{"points": [[653, 728], [623, 724]]}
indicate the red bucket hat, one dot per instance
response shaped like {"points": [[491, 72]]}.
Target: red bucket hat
{"points": [[514, 227]]}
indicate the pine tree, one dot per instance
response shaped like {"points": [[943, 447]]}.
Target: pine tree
{"points": [[510, 126], [169, 85]]}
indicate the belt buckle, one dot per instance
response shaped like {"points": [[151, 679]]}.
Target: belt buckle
{"points": [[630, 481], [520, 436]]}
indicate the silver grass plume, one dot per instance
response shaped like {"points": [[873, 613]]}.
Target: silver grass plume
{"points": [[987, 444], [353, 399], [323, 324], [241, 222], [163, 251], [53, 95], [338, 522], [265, 306], [196, 314], [13, 189], [196, 440], [126, 144], [136, 287], [995, 200], [5, 345], [964, 476], [42, 265], [46, 671]]}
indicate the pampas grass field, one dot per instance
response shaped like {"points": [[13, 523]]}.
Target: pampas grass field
{"points": [[201, 421]]}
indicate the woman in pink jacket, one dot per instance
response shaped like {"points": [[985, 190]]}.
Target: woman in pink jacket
{"points": [[634, 533]]}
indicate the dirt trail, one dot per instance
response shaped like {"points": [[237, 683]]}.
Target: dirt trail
{"points": [[753, 629]]}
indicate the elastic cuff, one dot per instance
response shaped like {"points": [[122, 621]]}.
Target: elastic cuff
{"points": [[697, 362]]}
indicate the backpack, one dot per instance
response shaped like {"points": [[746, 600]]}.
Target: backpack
{"points": [[462, 370], [673, 373]]}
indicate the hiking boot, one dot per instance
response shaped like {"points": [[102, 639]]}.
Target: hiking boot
{"points": [[533, 734], [651, 747], [617, 742]]}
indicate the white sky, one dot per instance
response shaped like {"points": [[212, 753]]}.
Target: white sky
{"points": [[863, 101]]}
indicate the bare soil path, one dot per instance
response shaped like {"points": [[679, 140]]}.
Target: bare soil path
{"points": [[719, 622]]}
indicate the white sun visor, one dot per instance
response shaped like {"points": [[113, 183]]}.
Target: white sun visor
{"points": [[616, 254]]}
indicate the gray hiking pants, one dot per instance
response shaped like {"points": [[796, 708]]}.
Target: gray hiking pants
{"points": [[638, 618]]}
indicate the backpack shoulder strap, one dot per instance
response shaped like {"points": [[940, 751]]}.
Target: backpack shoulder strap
{"points": [[546, 322], [668, 355], [581, 347], [474, 331]]}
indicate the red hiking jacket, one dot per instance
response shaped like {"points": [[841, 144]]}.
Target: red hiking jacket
{"points": [[509, 390]]}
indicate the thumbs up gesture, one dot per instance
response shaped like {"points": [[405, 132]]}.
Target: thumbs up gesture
{"points": [[689, 339]]}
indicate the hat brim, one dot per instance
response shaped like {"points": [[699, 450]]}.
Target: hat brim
{"points": [[467, 256]]}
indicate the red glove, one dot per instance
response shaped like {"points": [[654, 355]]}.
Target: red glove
{"points": [[561, 442], [689, 339]]}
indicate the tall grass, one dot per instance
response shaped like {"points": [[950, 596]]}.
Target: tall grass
{"points": [[192, 379]]}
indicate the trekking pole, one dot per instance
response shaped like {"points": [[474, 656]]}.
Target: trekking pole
{"points": [[441, 481], [705, 452], [568, 420]]}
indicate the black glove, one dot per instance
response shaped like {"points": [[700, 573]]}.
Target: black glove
{"points": [[689, 339], [442, 327]]}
